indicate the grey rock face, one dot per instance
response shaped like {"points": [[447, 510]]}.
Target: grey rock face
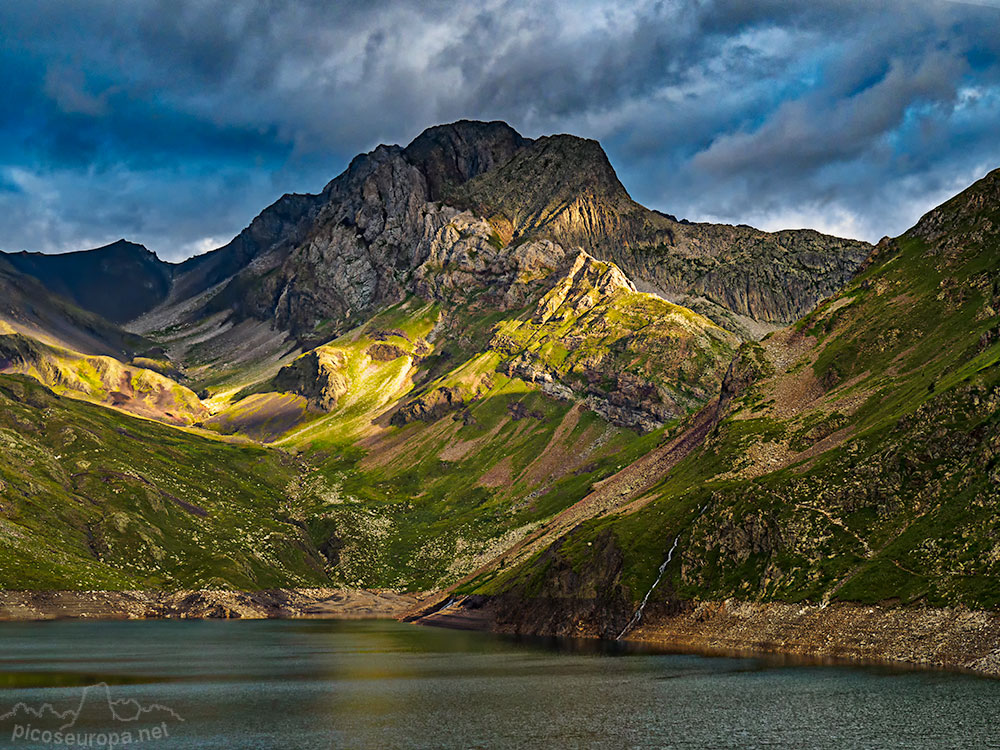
{"points": [[465, 259], [311, 263], [475, 208], [768, 277], [564, 188], [363, 246]]}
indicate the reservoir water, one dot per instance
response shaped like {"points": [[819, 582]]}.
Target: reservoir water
{"points": [[306, 685]]}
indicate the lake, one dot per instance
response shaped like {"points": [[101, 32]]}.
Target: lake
{"points": [[382, 684]]}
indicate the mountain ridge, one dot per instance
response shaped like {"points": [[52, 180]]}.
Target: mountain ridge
{"points": [[431, 393], [454, 163], [853, 460], [116, 281]]}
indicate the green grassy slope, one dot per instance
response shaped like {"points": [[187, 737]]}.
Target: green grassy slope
{"points": [[350, 495], [859, 459], [94, 499], [100, 379], [441, 455]]}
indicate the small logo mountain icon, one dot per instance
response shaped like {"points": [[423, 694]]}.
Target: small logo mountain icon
{"points": [[97, 705]]}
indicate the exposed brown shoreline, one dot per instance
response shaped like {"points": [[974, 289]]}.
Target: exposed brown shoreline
{"points": [[954, 639], [203, 604]]}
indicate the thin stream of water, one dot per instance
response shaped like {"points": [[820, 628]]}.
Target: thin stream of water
{"points": [[637, 617]]}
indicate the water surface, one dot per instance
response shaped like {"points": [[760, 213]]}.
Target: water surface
{"points": [[323, 684]]}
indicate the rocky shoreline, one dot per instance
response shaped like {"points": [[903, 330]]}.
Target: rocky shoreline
{"points": [[955, 639]]}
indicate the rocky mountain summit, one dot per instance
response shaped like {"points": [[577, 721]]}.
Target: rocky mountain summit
{"points": [[564, 188], [376, 230], [308, 260]]}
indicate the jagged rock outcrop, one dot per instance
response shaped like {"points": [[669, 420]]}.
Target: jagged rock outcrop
{"points": [[465, 260], [633, 358], [436, 403], [318, 375], [748, 367], [585, 283], [431, 406], [371, 229], [451, 155], [386, 352], [359, 248], [559, 187]]}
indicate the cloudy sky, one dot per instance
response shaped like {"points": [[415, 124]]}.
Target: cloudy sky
{"points": [[174, 123]]}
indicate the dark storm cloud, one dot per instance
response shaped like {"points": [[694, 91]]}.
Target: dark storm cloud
{"points": [[175, 122]]}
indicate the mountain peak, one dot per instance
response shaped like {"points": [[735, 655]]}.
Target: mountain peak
{"points": [[557, 186], [118, 246], [122, 242], [555, 169], [583, 160], [124, 247], [452, 154], [117, 281]]}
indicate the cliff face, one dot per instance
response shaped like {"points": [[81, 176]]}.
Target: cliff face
{"points": [[768, 278], [450, 155], [370, 233], [563, 188], [359, 249]]}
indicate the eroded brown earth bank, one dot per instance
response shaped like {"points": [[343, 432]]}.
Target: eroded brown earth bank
{"points": [[955, 639], [137, 605]]}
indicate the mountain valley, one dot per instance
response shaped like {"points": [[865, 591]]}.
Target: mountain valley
{"points": [[476, 369]]}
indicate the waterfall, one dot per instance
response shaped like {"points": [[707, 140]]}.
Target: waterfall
{"points": [[670, 556], [638, 613]]}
